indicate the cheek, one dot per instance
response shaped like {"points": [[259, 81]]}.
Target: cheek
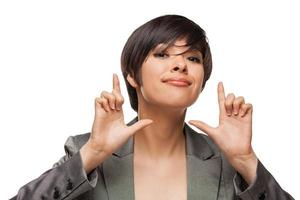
{"points": [[198, 75], [151, 87], [151, 72]]}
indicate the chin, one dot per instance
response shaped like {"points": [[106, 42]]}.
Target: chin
{"points": [[172, 100], [176, 103]]}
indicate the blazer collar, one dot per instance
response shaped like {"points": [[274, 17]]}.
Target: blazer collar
{"points": [[203, 168], [196, 144]]}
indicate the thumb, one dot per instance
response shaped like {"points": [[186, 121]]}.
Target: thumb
{"points": [[202, 126], [139, 125]]}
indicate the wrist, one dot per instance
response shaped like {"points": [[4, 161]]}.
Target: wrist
{"points": [[90, 157], [246, 166]]}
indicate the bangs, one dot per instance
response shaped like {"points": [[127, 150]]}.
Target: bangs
{"points": [[167, 32]]}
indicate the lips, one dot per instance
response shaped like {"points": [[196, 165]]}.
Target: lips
{"points": [[177, 81]]}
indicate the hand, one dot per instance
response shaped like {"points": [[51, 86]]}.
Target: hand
{"points": [[234, 133], [109, 132]]}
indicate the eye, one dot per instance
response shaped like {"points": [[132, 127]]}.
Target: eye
{"points": [[195, 59], [160, 55]]}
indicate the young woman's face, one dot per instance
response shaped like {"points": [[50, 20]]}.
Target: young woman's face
{"points": [[172, 78]]}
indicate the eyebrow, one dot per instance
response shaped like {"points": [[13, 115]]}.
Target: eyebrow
{"points": [[196, 51], [161, 47], [164, 47], [184, 45]]}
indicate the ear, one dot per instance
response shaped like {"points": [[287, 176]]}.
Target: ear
{"points": [[131, 81]]}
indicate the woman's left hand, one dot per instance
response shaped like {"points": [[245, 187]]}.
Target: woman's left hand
{"points": [[234, 133]]}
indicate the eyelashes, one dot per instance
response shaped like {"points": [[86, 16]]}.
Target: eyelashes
{"points": [[160, 55], [195, 59]]}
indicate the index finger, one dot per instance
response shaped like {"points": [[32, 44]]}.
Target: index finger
{"points": [[221, 96], [116, 83]]}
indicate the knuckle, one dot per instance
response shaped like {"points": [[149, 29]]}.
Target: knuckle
{"points": [[230, 95], [103, 93], [121, 99], [116, 93], [244, 108], [228, 103], [247, 107], [228, 106], [118, 97], [104, 100], [107, 95], [97, 99], [241, 99], [111, 97], [238, 102]]}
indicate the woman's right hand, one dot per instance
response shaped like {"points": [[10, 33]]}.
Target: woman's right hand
{"points": [[109, 131]]}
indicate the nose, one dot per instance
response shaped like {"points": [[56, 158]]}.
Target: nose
{"points": [[179, 64]]}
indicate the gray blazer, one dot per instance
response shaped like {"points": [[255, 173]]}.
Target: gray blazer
{"points": [[209, 175]]}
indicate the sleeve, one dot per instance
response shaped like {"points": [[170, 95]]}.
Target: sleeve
{"points": [[263, 187], [66, 180]]}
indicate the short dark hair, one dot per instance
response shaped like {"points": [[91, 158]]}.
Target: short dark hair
{"points": [[164, 29]]}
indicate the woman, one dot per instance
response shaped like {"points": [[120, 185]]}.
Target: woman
{"points": [[165, 63]]}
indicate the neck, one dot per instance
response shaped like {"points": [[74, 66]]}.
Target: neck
{"points": [[164, 137]]}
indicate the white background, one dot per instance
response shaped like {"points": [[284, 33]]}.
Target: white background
{"points": [[57, 56]]}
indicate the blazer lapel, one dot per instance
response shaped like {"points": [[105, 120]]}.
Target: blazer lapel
{"points": [[118, 172], [203, 167]]}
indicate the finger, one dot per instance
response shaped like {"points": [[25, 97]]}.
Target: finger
{"points": [[245, 109], [119, 99], [221, 97], [104, 104], [237, 104], [116, 83], [111, 99], [98, 102], [139, 125], [229, 103], [202, 126]]}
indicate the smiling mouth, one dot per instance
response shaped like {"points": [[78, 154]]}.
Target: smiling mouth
{"points": [[178, 83]]}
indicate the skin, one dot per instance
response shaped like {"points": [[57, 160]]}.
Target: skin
{"points": [[158, 137]]}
